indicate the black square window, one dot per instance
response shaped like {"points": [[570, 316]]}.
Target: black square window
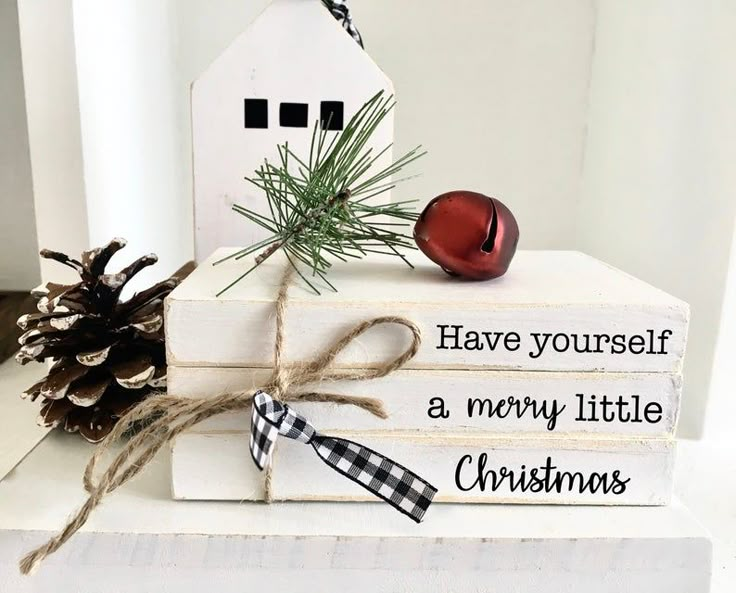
{"points": [[293, 115], [331, 115], [256, 113]]}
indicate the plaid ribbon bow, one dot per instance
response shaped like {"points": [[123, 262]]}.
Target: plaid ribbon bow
{"points": [[401, 488]]}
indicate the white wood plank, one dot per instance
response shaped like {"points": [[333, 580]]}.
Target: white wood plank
{"points": [[550, 299], [409, 395], [19, 433], [219, 467], [130, 563]]}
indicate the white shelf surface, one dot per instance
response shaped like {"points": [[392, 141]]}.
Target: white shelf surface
{"points": [[19, 432], [140, 536]]}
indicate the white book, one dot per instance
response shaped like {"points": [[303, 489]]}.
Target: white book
{"points": [[462, 468], [553, 310], [479, 401]]}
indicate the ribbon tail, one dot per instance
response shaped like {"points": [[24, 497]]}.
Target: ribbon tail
{"points": [[383, 477]]}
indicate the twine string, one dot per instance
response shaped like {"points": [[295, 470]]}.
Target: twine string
{"points": [[173, 415]]}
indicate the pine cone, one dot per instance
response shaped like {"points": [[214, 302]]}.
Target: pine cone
{"points": [[108, 355]]}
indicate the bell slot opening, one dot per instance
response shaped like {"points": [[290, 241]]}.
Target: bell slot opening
{"points": [[490, 241]]}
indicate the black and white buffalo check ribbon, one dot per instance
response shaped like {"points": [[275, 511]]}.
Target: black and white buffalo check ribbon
{"points": [[341, 12], [401, 488]]}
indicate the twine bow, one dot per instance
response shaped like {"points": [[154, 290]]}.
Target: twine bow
{"points": [[173, 415]]}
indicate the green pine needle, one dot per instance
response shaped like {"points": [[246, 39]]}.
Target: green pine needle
{"points": [[320, 206]]}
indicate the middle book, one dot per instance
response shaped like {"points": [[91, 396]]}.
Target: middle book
{"points": [[527, 403]]}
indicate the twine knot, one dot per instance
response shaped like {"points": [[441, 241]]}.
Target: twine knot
{"points": [[167, 415]]}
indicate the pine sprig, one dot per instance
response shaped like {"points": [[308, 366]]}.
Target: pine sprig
{"points": [[321, 208]]}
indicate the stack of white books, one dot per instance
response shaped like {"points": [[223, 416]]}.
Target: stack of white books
{"points": [[557, 383]]}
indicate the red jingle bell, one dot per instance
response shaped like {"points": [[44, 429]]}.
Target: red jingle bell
{"points": [[468, 234]]}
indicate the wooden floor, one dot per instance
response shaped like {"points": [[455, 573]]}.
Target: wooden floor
{"points": [[12, 306]]}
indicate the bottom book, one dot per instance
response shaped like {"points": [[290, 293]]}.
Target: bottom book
{"points": [[481, 469]]}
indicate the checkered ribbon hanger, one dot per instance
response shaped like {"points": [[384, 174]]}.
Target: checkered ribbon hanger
{"points": [[389, 481], [341, 12]]}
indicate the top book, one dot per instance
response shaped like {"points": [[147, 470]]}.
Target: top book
{"points": [[553, 310]]}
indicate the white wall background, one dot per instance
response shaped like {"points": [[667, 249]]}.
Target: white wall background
{"points": [[722, 403], [18, 257], [658, 186], [497, 92], [604, 125]]}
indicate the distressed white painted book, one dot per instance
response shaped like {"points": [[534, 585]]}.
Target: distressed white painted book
{"points": [[462, 401], [553, 310], [462, 468]]}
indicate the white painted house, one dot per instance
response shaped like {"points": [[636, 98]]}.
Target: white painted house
{"points": [[293, 65]]}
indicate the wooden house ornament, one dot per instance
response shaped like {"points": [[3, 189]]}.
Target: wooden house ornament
{"points": [[292, 67]]}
